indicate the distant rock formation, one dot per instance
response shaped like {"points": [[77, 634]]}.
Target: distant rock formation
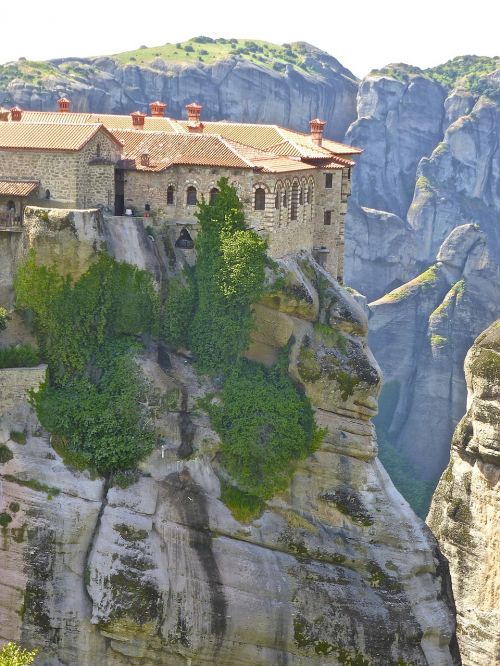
{"points": [[465, 510], [233, 89], [428, 183], [421, 332]]}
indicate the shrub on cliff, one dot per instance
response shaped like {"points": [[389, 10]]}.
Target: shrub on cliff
{"points": [[4, 318], [14, 655], [265, 425], [19, 356], [210, 312], [88, 332]]}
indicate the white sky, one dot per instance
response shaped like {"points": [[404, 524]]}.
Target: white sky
{"points": [[362, 34]]}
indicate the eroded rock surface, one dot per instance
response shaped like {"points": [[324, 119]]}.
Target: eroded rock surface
{"points": [[465, 510], [336, 568], [233, 89], [420, 333]]}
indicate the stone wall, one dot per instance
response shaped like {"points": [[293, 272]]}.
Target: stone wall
{"points": [[301, 194], [55, 170], [67, 174], [14, 384], [96, 172]]}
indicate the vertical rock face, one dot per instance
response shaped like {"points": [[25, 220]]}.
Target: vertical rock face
{"points": [[460, 182], [424, 323], [399, 122], [421, 332], [232, 89], [465, 510], [337, 570]]}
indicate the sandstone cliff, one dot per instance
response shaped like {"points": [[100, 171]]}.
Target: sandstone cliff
{"points": [[465, 511], [336, 570]]}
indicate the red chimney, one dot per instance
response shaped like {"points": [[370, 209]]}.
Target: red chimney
{"points": [[138, 119], [158, 109], [16, 113], [4, 114], [317, 127], [194, 112], [64, 105]]}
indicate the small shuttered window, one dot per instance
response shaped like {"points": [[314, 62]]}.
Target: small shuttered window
{"points": [[329, 180], [327, 219]]}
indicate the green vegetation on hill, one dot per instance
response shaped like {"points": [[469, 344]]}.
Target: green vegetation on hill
{"points": [[465, 72], [208, 50], [264, 422], [468, 72], [88, 332]]}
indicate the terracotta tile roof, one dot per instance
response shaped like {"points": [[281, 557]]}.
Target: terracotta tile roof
{"points": [[263, 137], [277, 138], [18, 188], [48, 136], [111, 121], [166, 149]]}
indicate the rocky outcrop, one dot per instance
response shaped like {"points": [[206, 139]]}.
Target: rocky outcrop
{"points": [[420, 333], [460, 182], [336, 570], [399, 122], [233, 89], [465, 511]]}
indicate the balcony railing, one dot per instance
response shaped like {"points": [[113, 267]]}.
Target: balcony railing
{"points": [[9, 220]]}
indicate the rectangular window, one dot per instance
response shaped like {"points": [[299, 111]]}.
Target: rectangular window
{"points": [[327, 219], [329, 180]]}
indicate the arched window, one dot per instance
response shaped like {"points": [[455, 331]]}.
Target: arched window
{"points": [[214, 192], [191, 196], [293, 202], [285, 199], [98, 150], [11, 205], [47, 194], [184, 241], [260, 199], [301, 196], [170, 195], [277, 200]]}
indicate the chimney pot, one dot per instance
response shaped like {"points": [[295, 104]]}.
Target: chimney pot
{"points": [[317, 128], [138, 119], [64, 105], [194, 123], [16, 113], [158, 109], [4, 114]]}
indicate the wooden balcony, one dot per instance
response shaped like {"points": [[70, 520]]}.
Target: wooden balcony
{"points": [[9, 221]]}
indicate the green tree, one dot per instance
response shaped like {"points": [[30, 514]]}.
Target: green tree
{"points": [[229, 277], [14, 655]]}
